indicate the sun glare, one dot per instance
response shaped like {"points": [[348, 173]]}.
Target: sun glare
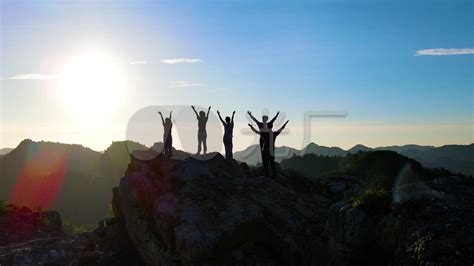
{"points": [[92, 85]]}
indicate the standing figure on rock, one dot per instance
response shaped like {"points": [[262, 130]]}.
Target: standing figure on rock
{"points": [[167, 137], [202, 134], [264, 125], [267, 147], [228, 129]]}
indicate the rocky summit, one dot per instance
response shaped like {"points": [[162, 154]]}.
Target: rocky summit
{"points": [[210, 211], [218, 212]]}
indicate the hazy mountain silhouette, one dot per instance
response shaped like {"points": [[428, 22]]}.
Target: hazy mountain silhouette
{"points": [[251, 156], [85, 193], [406, 148], [313, 148], [82, 190], [359, 147], [4, 151], [115, 159], [456, 158]]}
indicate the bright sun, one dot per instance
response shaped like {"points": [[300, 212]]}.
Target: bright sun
{"points": [[92, 85]]}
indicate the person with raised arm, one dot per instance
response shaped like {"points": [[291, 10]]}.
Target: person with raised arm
{"points": [[264, 125], [202, 134], [268, 137], [228, 134], [167, 137]]}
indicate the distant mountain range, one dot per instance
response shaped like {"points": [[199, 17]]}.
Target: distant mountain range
{"points": [[4, 151], [456, 158], [79, 179]]}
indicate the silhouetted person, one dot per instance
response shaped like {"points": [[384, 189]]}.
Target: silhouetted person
{"points": [[202, 134], [228, 129], [264, 125], [267, 149], [167, 137]]}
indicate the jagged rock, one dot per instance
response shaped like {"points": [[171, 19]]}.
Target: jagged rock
{"points": [[49, 221], [435, 225], [216, 212], [427, 227], [349, 233], [35, 238], [212, 212]]}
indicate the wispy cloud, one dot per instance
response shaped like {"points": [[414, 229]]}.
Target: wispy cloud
{"points": [[138, 62], [445, 51], [181, 60], [33, 76], [184, 83]]}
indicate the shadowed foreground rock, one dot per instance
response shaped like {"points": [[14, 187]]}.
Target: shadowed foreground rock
{"points": [[215, 212], [35, 238], [218, 212]]}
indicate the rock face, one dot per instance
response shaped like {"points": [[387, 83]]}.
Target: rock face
{"points": [[435, 223], [35, 238], [19, 224], [217, 212], [428, 225]]}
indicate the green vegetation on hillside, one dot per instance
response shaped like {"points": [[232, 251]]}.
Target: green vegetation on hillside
{"points": [[312, 164], [374, 200], [379, 168]]}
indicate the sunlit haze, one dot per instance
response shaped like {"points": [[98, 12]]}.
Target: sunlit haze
{"points": [[77, 72]]}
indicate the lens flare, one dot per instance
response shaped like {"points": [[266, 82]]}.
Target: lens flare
{"points": [[406, 176], [39, 182]]}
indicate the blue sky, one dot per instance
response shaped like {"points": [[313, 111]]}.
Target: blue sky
{"points": [[354, 56]]}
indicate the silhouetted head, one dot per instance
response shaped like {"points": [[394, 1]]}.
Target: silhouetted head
{"points": [[264, 118], [202, 114], [227, 120], [167, 120]]}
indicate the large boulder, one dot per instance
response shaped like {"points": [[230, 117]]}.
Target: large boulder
{"points": [[212, 212], [435, 222], [30, 237], [217, 212], [428, 225]]}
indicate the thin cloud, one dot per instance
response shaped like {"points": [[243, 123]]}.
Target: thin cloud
{"points": [[184, 83], [181, 61], [138, 62], [33, 76], [445, 51]]}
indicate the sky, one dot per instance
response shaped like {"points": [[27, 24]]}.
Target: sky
{"points": [[382, 72]]}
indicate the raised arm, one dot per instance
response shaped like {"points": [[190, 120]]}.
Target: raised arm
{"points": [[170, 114], [194, 109], [253, 129], [273, 120], [161, 115], [220, 117], [253, 118], [208, 110], [282, 127], [232, 119]]}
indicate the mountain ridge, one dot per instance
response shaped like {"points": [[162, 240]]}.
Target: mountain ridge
{"points": [[78, 178], [454, 157], [88, 175]]}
